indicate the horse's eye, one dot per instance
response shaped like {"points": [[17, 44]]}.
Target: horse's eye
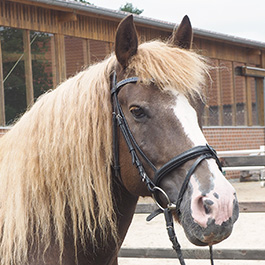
{"points": [[137, 112]]}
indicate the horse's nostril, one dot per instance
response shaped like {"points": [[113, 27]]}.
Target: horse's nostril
{"points": [[208, 202], [207, 205], [216, 195], [207, 209]]}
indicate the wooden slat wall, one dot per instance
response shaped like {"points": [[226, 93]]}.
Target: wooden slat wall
{"points": [[19, 15], [61, 22], [46, 20], [234, 55], [230, 52], [36, 18]]}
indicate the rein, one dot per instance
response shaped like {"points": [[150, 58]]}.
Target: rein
{"points": [[199, 152]]}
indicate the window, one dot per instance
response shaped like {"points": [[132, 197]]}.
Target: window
{"points": [[15, 72], [231, 98]]}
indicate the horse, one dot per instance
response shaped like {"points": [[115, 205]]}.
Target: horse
{"points": [[68, 187]]}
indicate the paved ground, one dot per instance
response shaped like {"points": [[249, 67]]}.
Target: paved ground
{"points": [[249, 233]]}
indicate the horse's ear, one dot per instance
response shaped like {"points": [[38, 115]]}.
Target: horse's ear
{"points": [[126, 42], [182, 36]]}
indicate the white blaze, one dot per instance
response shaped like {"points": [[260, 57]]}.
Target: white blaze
{"points": [[223, 207], [187, 116]]}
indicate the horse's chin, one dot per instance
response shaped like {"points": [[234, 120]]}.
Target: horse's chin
{"points": [[206, 239], [206, 236]]}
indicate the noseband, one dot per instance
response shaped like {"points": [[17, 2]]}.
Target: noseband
{"points": [[153, 185]]}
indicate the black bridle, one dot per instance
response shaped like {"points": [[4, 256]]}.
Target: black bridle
{"points": [[153, 185]]}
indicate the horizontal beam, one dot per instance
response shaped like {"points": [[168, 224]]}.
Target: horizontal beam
{"points": [[244, 168], [229, 254], [250, 71], [238, 161], [13, 57], [252, 207], [242, 152], [246, 207]]}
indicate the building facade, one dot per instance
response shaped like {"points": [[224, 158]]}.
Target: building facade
{"points": [[46, 41]]}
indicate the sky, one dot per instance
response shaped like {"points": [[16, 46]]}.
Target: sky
{"points": [[240, 18]]}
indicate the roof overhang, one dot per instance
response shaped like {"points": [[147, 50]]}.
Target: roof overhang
{"points": [[86, 9]]}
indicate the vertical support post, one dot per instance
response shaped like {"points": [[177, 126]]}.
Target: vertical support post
{"points": [[262, 64], [109, 47], [260, 83], [60, 58], [53, 55], [111, 44], [220, 101], [233, 95], [28, 68], [206, 115], [260, 100], [249, 101], [2, 91], [86, 52], [263, 101]]}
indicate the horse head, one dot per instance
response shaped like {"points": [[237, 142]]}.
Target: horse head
{"points": [[162, 107]]}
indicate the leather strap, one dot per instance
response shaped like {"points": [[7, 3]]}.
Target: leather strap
{"points": [[199, 152], [183, 158], [117, 86]]}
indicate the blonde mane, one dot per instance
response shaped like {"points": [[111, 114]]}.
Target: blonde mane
{"points": [[58, 156]]}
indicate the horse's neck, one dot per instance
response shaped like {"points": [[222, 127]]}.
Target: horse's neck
{"points": [[125, 207], [125, 204]]}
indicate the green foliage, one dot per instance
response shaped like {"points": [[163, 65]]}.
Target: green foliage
{"points": [[128, 7], [83, 1], [15, 88]]}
